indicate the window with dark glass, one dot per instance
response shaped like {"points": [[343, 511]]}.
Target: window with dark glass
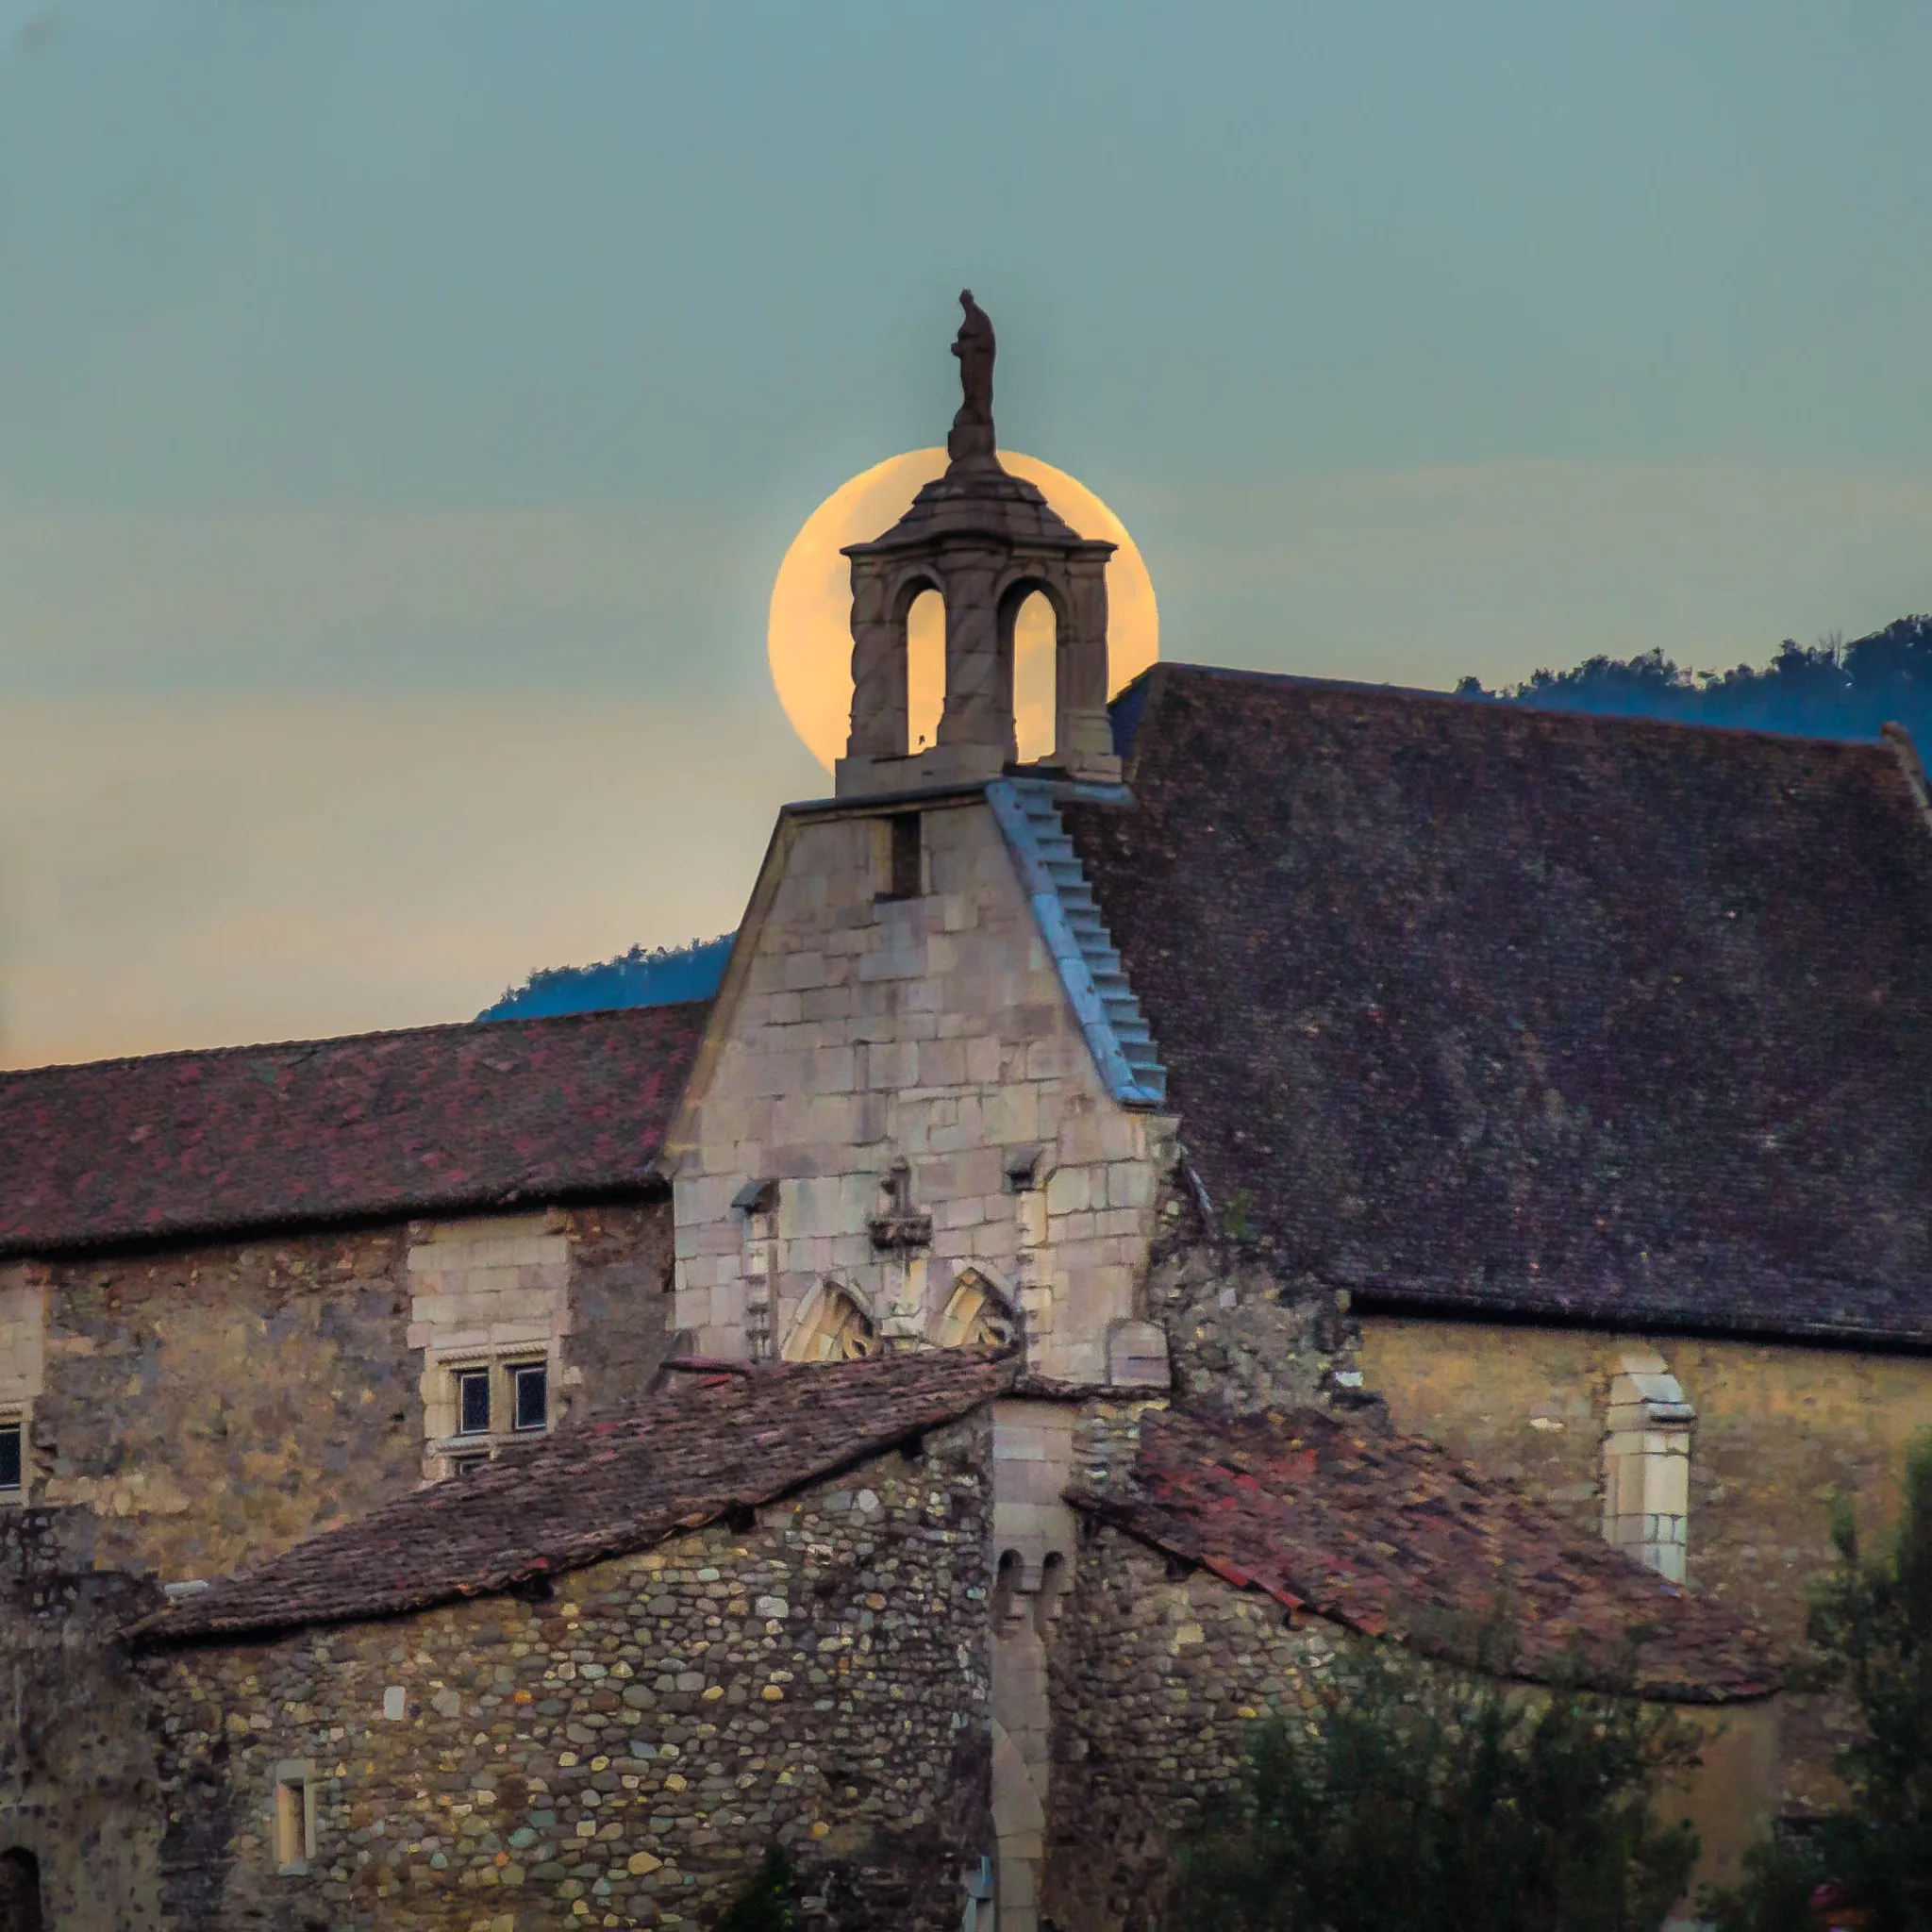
{"points": [[463, 1465], [903, 869], [10, 1434], [531, 1387], [472, 1402]]}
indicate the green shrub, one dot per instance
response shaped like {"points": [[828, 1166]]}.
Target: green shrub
{"points": [[770, 1904], [1425, 1802], [1870, 1630]]}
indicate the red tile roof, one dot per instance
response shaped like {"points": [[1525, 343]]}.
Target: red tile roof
{"points": [[713, 1444], [436, 1120], [1489, 1008], [1392, 1537]]}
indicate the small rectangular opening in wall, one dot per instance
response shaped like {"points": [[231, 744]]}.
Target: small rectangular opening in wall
{"points": [[472, 1402], [530, 1396], [294, 1819], [905, 867], [13, 1458]]}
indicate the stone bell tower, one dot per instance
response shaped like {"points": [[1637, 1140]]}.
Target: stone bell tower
{"points": [[986, 542]]}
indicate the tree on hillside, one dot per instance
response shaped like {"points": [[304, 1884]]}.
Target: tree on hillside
{"points": [[1827, 690], [1423, 1802], [1871, 1626]]}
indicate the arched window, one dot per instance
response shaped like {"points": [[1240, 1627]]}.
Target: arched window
{"points": [[20, 1892], [976, 1314], [926, 670], [1036, 678], [831, 1327]]}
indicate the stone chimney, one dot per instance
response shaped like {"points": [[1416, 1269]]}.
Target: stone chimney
{"points": [[986, 542]]}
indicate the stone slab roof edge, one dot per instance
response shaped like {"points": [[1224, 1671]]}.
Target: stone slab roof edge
{"points": [[606, 1487], [213, 1143], [1391, 1538]]}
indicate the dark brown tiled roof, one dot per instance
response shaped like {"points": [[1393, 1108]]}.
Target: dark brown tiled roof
{"points": [[713, 1444], [1478, 1006], [1392, 1537], [432, 1121]]}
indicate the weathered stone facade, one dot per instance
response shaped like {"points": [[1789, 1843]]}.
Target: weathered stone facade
{"points": [[1783, 1434], [857, 1031], [624, 1752], [1157, 1678], [211, 1406], [80, 1786]]}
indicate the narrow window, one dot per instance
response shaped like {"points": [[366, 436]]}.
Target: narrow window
{"points": [[293, 1822], [12, 1460], [903, 868], [530, 1389], [1647, 1464], [472, 1402]]}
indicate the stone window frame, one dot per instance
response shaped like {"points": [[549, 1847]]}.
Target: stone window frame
{"points": [[1646, 1464], [18, 1415], [832, 1324], [979, 1311], [757, 1202], [292, 1817], [457, 1450]]}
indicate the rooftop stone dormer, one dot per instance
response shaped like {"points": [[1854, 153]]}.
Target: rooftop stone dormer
{"points": [[985, 540]]}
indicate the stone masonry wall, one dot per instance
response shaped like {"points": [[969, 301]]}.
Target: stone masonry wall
{"points": [[1242, 1334], [623, 1753], [78, 1786], [1154, 1681], [932, 1030], [212, 1405], [1782, 1433]]}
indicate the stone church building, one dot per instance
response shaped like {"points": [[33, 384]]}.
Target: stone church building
{"points": [[1297, 1168]]}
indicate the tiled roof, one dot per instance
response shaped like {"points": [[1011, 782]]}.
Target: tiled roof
{"points": [[1392, 1537], [1478, 1007], [432, 1121], [713, 1444]]}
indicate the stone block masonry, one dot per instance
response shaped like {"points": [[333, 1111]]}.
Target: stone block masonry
{"points": [[864, 1030], [623, 1753]]}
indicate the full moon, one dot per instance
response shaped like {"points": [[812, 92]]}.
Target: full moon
{"points": [[809, 637]]}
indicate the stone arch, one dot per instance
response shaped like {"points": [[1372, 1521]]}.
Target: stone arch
{"points": [[978, 1313], [832, 1326], [882, 602], [20, 1891], [1035, 698]]}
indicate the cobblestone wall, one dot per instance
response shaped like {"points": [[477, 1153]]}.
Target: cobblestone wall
{"points": [[1154, 1681], [78, 1777], [624, 1753]]}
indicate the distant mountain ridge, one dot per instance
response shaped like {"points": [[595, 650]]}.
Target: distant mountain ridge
{"points": [[635, 979], [1827, 690]]}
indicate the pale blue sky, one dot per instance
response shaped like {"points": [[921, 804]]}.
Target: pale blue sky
{"points": [[459, 359]]}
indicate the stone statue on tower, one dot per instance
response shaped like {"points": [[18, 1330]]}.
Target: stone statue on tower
{"points": [[972, 434]]}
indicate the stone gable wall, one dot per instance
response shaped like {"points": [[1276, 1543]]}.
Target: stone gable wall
{"points": [[212, 1405], [935, 1031], [624, 1753], [1782, 1433]]}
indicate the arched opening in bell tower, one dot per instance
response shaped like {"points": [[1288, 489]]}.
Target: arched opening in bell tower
{"points": [[1031, 625], [1036, 676], [926, 667]]}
